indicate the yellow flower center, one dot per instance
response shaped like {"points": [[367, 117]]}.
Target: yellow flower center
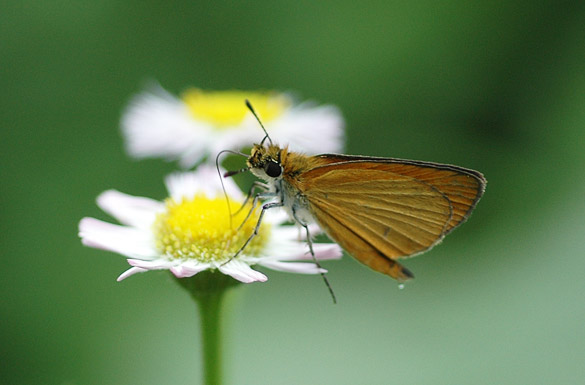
{"points": [[200, 229], [227, 108]]}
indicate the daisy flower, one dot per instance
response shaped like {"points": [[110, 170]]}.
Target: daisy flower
{"points": [[202, 123], [191, 232]]}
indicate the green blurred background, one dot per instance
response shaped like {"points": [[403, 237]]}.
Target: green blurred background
{"points": [[494, 86]]}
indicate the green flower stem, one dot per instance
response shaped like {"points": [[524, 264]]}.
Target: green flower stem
{"points": [[208, 289], [209, 311]]}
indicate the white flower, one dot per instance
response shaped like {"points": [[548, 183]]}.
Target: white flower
{"points": [[202, 123], [191, 232]]}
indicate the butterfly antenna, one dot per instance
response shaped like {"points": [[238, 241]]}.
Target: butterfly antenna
{"points": [[249, 105]]}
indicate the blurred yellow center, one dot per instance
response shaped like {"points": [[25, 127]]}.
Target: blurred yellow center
{"points": [[200, 229], [227, 108]]}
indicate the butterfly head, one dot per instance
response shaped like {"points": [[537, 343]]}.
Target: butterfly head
{"points": [[264, 162]]}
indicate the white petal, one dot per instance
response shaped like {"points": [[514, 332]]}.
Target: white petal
{"points": [[276, 216], [310, 129], [128, 241], [189, 268], [129, 272], [130, 210], [236, 138], [156, 264], [327, 251], [296, 232], [293, 267], [204, 180], [292, 234], [157, 124], [242, 272], [191, 156], [299, 251]]}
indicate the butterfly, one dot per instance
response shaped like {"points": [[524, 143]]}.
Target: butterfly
{"points": [[378, 209]]}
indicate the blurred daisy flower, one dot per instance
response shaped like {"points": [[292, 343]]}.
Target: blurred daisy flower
{"points": [[191, 232], [157, 124]]}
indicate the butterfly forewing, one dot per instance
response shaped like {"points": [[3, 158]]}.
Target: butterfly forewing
{"points": [[462, 187]]}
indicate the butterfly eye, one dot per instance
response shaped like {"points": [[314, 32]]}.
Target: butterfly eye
{"points": [[272, 169]]}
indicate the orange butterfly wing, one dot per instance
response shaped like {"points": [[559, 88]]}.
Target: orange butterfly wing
{"points": [[381, 209]]}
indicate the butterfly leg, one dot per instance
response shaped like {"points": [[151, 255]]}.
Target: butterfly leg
{"points": [[256, 185], [257, 197], [310, 243], [257, 228]]}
